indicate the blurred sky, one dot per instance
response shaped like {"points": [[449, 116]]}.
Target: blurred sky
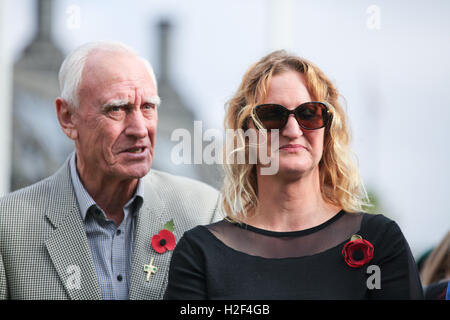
{"points": [[394, 73]]}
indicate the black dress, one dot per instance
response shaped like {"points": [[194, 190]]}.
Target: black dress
{"points": [[227, 260]]}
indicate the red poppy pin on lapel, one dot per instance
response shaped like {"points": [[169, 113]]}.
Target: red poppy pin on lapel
{"points": [[161, 242], [357, 252], [164, 240]]}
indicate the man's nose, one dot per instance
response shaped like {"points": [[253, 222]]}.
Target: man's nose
{"points": [[136, 125], [292, 128]]}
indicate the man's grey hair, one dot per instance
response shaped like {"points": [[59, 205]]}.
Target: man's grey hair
{"points": [[73, 65]]}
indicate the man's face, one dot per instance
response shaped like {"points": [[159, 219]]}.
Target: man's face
{"points": [[117, 117]]}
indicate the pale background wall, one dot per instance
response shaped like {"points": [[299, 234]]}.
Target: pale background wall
{"points": [[5, 100]]}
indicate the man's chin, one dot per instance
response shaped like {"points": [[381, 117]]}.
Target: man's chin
{"points": [[135, 171]]}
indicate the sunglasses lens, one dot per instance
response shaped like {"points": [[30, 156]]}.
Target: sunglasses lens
{"points": [[312, 115], [271, 116]]}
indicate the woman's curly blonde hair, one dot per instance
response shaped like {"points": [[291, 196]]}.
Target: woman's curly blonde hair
{"points": [[340, 181]]}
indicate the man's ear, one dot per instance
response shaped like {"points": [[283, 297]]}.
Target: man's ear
{"points": [[65, 113]]}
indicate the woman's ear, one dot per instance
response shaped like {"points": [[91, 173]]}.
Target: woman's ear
{"points": [[65, 113]]}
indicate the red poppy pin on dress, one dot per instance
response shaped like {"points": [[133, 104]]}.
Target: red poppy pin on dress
{"points": [[357, 252], [161, 242]]}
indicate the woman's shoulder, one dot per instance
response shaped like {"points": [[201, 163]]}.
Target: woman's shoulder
{"points": [[382, 230], [378, 221], [195, 234], [202, 234]]}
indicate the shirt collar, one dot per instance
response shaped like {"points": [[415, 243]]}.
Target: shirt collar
{"points": [[84, 199]]}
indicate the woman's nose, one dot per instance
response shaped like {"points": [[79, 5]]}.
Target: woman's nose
{"points": [[292, 128]]}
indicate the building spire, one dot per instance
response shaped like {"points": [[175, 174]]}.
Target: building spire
{"points": [[44, 12], [42, 54], [164, 30]]}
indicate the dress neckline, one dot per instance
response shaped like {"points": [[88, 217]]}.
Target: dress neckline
{"points": [[292, 233]]}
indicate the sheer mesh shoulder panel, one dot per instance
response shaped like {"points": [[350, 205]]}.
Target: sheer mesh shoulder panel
{"points": [[270, 244]]}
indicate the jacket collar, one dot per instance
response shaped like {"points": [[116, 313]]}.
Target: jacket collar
{"points": [[67, 245]]}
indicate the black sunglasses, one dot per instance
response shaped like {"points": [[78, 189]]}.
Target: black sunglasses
{"points": [[310, 115]]}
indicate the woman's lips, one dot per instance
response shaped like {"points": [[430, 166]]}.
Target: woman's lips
{"points": [[292, 147]]}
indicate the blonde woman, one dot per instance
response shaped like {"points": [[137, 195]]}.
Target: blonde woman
{"points": [[299, 233]]}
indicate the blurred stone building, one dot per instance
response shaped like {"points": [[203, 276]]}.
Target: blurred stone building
{"points": [[40, 146], [38, 143], [174, 114]]}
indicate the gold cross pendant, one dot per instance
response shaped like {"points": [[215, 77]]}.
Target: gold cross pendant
{"points": [[150, 269]]}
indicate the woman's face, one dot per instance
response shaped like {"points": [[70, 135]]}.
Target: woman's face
{"points": [[300, 150]]}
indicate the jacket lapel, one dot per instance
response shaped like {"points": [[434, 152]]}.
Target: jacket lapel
{"points": [[150, 221], [68, 246]]}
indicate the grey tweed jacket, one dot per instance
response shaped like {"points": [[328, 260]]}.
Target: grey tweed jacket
{"points": [[44, 251]]}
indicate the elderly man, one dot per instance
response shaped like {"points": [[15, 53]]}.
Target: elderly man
{"points": [[92, 230]]}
